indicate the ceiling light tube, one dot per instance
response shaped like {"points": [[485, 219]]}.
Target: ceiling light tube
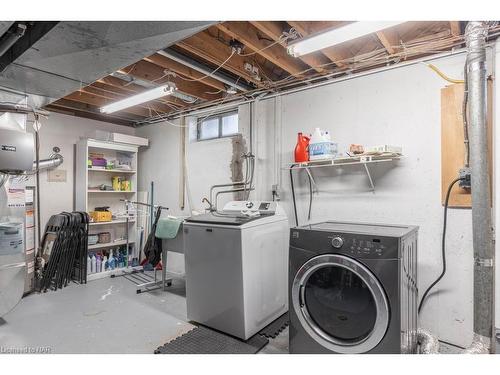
{"points": [[143, 97], [336, 36]]}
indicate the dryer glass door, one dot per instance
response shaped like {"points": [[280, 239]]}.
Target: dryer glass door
{"points": [[340, 303]]}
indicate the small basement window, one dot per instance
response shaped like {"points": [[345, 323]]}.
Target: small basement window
{"points": [[218, 126]]}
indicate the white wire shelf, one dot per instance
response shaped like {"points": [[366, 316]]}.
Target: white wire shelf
{"points": [[365, 160], [112, 222], [339, 162], [119, 171], [109, 244]]}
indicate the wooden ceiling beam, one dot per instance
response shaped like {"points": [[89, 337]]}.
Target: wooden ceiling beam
{"points": [[307, 28], [389, 40], [274, 31], [153, 73], [249, 36], [216, 52], [184, 70]]}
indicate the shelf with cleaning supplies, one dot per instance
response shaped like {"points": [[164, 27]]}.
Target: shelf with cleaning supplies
{"points": [[364, 160]]}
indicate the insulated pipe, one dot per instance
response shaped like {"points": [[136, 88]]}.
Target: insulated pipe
{"points": [[475, 38]]}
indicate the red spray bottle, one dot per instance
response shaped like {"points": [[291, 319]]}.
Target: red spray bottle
{"points": [[302, 148]]}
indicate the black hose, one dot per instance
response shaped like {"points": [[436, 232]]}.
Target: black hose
{"points": [[293, 196], [310, 198], [443, 243]]}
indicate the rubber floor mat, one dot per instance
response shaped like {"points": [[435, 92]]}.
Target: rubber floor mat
{"points": [[275, 328], [202, 340]]}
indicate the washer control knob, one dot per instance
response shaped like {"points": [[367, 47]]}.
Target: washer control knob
{"points": [[337, 242]]}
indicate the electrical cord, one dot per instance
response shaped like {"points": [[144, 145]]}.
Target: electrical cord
{"points": [[443, 243], [293, 196]]}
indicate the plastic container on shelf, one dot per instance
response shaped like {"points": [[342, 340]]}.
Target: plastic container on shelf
{"points": [[321, 146], [301, 152]]}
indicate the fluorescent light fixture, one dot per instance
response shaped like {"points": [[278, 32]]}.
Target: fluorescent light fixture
{"points": [[336, 36], [143, 97]]}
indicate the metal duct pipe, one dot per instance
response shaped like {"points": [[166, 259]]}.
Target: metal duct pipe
{"points": [[429, 344], [193, 64], [475, 38], [12, 38], [52, 162]]}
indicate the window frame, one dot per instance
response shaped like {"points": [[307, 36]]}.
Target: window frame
{"points": [[219, 117]]}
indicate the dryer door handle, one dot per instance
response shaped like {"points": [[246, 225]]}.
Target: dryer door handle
{"points": [[301, 296]]}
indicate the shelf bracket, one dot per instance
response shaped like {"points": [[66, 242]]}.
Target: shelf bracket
{"points": [[369, 177]]}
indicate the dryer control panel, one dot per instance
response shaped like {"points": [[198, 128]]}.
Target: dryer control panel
{"points": [[358, 246], [251, 207]]}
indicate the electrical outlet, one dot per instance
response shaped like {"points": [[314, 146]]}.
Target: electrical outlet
{"points": [[465, 182]]}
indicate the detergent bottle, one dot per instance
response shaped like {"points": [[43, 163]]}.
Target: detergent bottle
{"points": [[320, 145], [93, 264], [111, 261], [302, 148], [104, 263], [98, 263]]}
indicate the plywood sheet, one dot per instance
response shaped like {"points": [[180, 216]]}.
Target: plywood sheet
{"points": [[452, 142]]}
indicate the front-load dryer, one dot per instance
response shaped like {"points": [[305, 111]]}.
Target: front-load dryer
{"points": [[353, 288]]}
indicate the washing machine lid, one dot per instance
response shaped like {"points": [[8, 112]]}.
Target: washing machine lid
{"points": [[223, 219], [386, 230]]}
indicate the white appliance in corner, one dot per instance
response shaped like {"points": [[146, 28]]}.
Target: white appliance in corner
{"points": [[237, 267]]}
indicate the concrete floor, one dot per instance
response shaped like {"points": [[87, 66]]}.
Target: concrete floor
{"points": [[104, 316], [107, 316]]}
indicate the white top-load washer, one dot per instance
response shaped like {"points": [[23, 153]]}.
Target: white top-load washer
{"points": [[237, 267]]}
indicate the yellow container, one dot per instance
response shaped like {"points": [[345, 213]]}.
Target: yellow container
{"points": [[126, 185], [99, 216], [116, 182]]}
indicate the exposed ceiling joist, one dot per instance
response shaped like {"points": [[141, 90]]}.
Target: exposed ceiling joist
{"points": [[153, 73], [389, 40], [214, 51], [249, 35], [274, 31], [307, 28]]}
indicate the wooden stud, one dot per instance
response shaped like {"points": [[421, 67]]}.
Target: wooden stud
{"points": [[388, 40]]}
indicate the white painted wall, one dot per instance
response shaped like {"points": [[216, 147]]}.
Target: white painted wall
{"points": [[400, 107], [64, 131]]}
